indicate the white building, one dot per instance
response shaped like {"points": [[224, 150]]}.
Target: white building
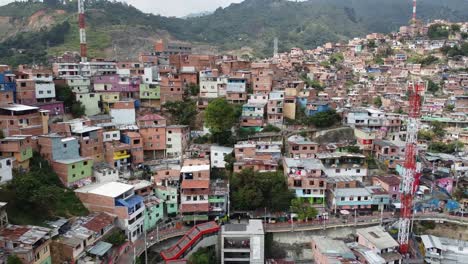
{"points": [[258, 98], [78, 84], [340, 164], [211, 85], [379, 241], [176, 140], [45, 87], [123, 113], [151, 75], [117, 199], [243, 243], [441, 250], [217, 154], [102, 173], [6, 170], [109, 136]]}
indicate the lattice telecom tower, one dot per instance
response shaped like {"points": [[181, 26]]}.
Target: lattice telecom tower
{"points": [[410, 179], [414, 11], [81, 23]]}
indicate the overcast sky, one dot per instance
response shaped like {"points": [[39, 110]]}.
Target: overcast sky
{"points": [[172, 7]]}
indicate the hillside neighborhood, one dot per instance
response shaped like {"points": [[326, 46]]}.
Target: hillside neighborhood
{"points": [[101, 159]]}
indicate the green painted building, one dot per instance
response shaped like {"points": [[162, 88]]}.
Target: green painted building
{"points": [[74, 172], [154, 212], [150, 91], [169, 196]]}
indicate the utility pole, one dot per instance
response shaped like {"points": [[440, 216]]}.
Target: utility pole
{"points": [[381, 215], [292, 219], [146, 249]]}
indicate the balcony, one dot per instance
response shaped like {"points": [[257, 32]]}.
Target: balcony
{"points": [[119, 155], [237, 244], [134, 205]]}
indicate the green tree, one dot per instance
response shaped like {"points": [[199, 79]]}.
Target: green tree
{"points": [[438, 31], [353, 149], [271, 128], [65, 94], [229, 159], [371, 44], [194, 89], [450, 107], [445, 148], [13, 259], [38, 195], [116, 238], [78, 109], [455, 28], [378, 101], [432, 86], [303, 209], [252, 190], [205, 255], [219, 116], [425, 134], [182, 112], [438, 128], [324, 119]]}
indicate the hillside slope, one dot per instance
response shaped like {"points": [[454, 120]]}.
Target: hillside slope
{"points": [[118, 30]]}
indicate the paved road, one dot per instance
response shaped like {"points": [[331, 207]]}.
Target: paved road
{"points": [[128, 251]]}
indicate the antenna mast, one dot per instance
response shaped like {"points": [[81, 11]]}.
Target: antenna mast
{"points": [[81, 23]]}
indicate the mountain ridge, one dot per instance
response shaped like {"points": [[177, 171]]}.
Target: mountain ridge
{"points": [[119, 30]]}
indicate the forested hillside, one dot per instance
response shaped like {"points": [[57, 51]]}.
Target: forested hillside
{"points": [[114, 26]]}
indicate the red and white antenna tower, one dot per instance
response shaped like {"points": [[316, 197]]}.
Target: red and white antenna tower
{"points": [[81, 23], [414, 11], [410, 178]]}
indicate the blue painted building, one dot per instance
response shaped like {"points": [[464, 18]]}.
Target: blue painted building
{"points": [[7, 85], [313, 108]]}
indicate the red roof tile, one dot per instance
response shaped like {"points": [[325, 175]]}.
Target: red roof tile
{"points": [[190, 208], [99, 222], [195, 184], [150, 117]]}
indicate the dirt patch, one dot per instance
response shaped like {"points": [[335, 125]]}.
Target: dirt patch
{"points": [[448, 230], [40, 19], [335, 136]]}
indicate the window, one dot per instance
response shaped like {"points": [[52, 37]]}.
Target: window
{"points": [[64, 145], [85, 163], [73, 166], [358, 170], [351, 198], [342, 199], [337, 170]]}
